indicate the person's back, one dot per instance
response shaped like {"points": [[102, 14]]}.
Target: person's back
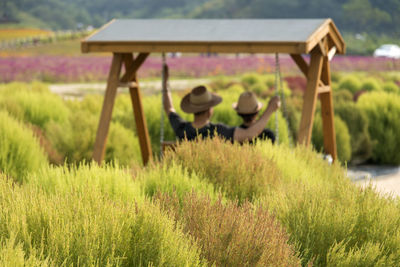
{"points": [[200, 102], [248, 108]]}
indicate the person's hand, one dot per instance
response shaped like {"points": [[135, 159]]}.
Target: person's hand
{"points": [[274, 103]]}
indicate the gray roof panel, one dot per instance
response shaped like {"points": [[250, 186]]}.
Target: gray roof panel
{"points": [[207, 30]]}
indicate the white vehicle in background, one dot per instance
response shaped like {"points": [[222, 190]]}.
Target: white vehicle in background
{"points": [[388, 50]]}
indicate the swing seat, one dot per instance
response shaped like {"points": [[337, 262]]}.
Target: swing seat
{"points": [[168, 145]]}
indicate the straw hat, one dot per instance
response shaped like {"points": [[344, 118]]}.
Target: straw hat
{"points": [[199, 99], [247, 104]]}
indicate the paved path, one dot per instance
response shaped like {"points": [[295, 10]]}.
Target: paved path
{"points": [[385, 179], [78, 90]]}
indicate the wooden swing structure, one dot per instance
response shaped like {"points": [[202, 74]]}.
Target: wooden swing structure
{"points": [[317, 37]]}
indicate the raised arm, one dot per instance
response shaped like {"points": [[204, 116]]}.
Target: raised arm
{"points": [[254, 130], [167, 98]]}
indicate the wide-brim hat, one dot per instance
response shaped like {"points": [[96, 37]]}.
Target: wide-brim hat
{"points": [[199, 99], [247, 104]]}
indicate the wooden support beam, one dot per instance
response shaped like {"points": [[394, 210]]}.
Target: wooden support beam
{"points": [[141, 124], [301, 63], [303, 66], [310, 98], [133, 66], [324, 89], [328, 122], [108, 104]]}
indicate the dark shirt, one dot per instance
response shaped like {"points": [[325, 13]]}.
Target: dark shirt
{"points": [[264, 135], [185, 130]]}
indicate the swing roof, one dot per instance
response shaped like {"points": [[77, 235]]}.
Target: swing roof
{"points": [[294, 36]]}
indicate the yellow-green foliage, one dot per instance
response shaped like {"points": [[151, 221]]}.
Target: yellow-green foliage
{"points": [[247, 178], [343, 139], [232, 235], [370, 254], [89, 222], [114, 182], [383, 111], [33, 103], [251, 79], [391, 87], [75, 138], [20, 152], [173, 179], [316, 203], [357, 124], [351, 83], [371, 84]]}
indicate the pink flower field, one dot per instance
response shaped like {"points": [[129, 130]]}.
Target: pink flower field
{"points": [[65, 69]]}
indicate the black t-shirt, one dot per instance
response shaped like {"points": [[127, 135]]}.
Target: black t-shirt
{"points": [[185, 130], [264, 135]]}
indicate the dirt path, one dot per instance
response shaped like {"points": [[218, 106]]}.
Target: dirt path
{"points": [[78, 90]]}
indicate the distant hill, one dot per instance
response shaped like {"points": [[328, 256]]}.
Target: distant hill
{"points": [[372, 16]]}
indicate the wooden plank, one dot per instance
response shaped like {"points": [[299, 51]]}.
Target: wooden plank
{"points": [[105, 118], [129, 47], [310, 98], [324, 89], [337, 38], [317, 36], [327, 113], [141, 125], [84, 44], [134, 66]]}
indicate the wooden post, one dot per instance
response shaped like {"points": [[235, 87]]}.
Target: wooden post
{"points": [[141, 125], [310, 98], [327, 112], [108, 104], [132, 66]]}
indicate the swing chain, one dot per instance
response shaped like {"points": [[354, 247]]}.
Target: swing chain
{"points": [[164, 87]]}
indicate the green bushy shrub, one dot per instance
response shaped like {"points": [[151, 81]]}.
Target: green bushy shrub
{"points": [[370, 254], [173, 179], [20, 151], [320, 207], [86, 227], [12, 254], [250, 79], [235, 89], [391, 87], [33, 104], [259, 88], [316, 203], [357, 124], [336, 76], [111, 181], [383, 112], [371, 84], [75, 140], [230, 235], [246, 179], [342, 96], [351, 83], [221, 82], [343, 139]]}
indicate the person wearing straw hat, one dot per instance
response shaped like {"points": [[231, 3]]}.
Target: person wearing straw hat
{"points": [[200, 102], [248, 108]]}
